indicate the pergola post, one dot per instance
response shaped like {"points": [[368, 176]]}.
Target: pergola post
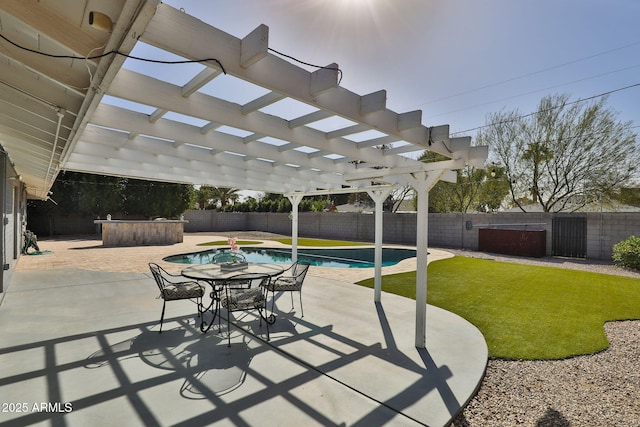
{"points": [[295, 200], [422, 183], [422, 235], [378, 196]]}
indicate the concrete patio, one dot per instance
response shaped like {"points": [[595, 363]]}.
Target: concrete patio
{"points": [[80, 336]]}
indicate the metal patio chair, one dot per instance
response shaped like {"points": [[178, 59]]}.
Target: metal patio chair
{"points": [[290, 281], [174, 287], [245, 292]]}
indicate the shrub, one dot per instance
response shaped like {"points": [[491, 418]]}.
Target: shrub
{"points": [[627, 253]]}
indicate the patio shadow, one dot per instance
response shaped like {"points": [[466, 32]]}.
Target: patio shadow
{"points": [[345, 363]]}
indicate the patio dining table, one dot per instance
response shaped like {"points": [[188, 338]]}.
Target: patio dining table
{"points": [[218, 277]]}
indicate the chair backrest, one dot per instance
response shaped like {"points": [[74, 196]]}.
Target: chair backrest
{"points": [[299, 271], [156, 271], [247, 280]]}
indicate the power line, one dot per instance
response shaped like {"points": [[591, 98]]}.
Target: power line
{"points": [[536, 91], [544, 70], [536, 112]]}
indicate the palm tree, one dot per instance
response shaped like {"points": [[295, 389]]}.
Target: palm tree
{"points": [[204, 196], [225, 195]]}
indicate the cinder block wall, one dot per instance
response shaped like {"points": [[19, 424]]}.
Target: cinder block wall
{"points": [[452, 230], [606, 229]]}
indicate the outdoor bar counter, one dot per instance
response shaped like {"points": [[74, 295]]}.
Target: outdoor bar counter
{"points": [[141, 233]]}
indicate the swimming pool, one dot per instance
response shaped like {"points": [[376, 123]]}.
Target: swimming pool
{"points": [[345, 258]]}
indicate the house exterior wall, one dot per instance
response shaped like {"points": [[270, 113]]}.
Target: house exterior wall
{"points": [[13, 202]]}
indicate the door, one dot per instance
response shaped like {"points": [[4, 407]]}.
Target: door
{"points": [[569, 237]]}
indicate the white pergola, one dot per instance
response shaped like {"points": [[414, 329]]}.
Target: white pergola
{"points": [[301, 134]]}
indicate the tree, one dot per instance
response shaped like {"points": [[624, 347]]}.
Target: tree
{"points": [[225, 195], [481, 190], [494, 189], [397, 196], [629, 196], [97, 195], [204, 197], [82, 194], [156, 199], [564, 156]]}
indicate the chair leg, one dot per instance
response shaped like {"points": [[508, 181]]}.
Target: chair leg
{"points": [[273, 301], [301, 307], [200, 312], [164, 303], [228, 329], [267, 322]]}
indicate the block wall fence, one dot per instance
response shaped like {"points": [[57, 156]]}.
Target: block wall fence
{"points": [[454, 230]]}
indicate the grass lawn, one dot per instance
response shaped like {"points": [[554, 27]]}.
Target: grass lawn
{"points": [[320, 242], [525, 311]]}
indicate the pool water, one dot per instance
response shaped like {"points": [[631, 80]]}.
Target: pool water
{"points": [[345, 258]]}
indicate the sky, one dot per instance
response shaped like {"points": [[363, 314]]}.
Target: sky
{"points": [[456, 60]]}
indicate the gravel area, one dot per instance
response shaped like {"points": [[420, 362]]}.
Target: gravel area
{"points": [[602, 389]]}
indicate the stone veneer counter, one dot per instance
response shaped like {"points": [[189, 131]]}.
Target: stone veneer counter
{"points": [[141, 233]]}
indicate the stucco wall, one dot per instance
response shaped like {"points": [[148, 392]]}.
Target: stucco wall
{"points": [[13, 200]]}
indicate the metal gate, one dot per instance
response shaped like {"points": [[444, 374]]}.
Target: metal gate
{"points": [[569, 236]]}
